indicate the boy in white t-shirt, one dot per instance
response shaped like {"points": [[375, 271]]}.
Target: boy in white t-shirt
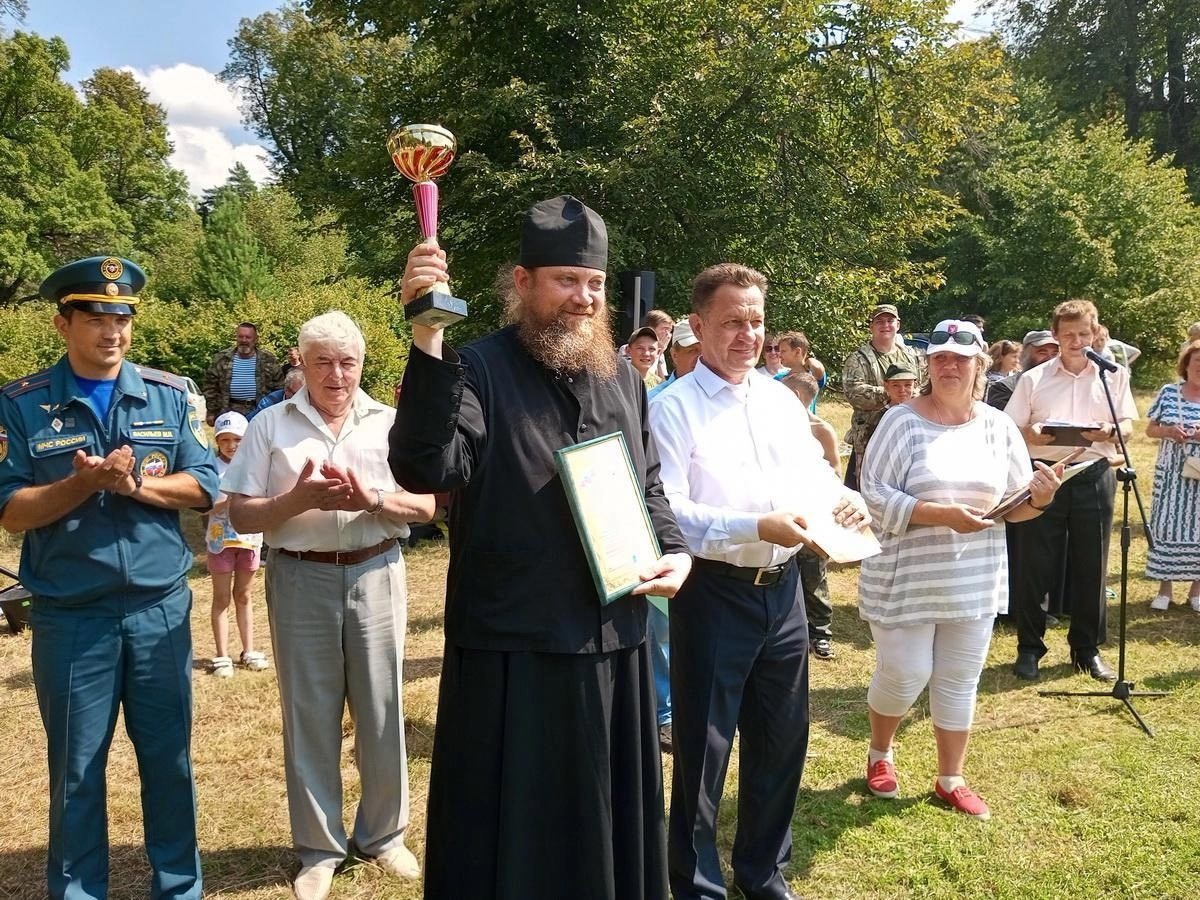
{"points": [[233, 559]]}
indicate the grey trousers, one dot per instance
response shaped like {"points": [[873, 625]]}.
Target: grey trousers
{"points": [[338, 637]]}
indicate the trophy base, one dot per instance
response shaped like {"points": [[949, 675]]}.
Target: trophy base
{"points": [[436, 310]]}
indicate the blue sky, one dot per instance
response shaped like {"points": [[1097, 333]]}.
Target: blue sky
{"points": [[176, 47]]}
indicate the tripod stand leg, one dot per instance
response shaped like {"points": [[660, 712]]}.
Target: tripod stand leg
{"points": [[1129, 705]]}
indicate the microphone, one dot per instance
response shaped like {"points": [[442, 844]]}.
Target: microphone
{"points": [[1105, 364]]}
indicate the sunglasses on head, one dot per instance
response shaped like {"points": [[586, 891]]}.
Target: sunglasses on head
{"points": [[959, 337]]}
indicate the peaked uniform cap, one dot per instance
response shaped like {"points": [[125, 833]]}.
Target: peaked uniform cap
{"points": [[104, 284], [563, 232]]}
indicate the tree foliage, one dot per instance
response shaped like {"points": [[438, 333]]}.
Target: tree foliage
{"points": [[51, 207], [15, 9], [230, 263], [801, 138], [1137, 58], [80, 176], [1052, 215]]}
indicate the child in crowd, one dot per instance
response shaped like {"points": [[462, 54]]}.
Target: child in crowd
{"points": [[805, 387], [814, 575], [233, 559], [899, 383], [643, 353]]}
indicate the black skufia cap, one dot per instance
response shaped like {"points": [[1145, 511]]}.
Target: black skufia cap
{"points": [[563, 232]]}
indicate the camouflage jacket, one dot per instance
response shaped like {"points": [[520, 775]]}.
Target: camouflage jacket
{"points": [[862, 380], [267, 377]]}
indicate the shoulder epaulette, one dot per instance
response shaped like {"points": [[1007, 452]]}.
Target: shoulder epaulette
{"points": [[158, 376], [25, 385]]}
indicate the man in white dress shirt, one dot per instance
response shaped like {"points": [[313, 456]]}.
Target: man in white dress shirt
{"points": [[739, 467], [312, 473]]}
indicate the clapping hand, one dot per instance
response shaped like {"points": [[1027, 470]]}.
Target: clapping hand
{"points": [[105, 473], [360, 497], [319, 491]]}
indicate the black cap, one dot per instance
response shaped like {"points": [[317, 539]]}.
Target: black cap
{"points": [[563, 232]]}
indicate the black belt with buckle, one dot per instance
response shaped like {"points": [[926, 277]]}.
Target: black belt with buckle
{"points": [[764, 577]]}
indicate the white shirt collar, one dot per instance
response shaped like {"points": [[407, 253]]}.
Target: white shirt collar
{"points": [[712, 383], [363, 405]]}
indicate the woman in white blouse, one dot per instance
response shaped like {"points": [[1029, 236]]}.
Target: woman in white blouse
{"points": [[933, 469]]}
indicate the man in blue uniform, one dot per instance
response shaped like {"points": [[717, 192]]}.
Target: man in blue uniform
{"points": [[97, 458]]}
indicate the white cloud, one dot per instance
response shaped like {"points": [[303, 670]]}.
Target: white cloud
{"points": [[191, 95], [204, 124], [206, 155]]}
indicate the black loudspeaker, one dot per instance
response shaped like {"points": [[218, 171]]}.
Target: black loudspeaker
{"points": [[637, 297]]}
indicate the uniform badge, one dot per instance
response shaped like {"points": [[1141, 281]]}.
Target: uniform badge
{"points": [[154, 464], [3, 443], [111, 268], [197, 425], [57, 424]]}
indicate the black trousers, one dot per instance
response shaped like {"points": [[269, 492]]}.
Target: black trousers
{"points": [[739, 661], [850, 478], [814, 581], [1081, 514]]}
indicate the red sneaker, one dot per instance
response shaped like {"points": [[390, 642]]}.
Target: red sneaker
{"points": [[964, 800], [881, 779]]}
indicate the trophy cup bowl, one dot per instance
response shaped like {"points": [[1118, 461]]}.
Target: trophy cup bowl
{"points": [[422, 153]]}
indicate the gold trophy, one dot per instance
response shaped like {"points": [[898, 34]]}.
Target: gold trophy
{"points": [[423, 153]]}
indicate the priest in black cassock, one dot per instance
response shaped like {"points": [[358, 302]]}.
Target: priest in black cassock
{"points": [[546, 778]]}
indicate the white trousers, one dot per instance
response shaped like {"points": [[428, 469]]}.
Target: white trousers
{"points": [[948, 656], [338, 636]]}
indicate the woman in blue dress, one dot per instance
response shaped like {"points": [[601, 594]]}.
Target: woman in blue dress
{"points": [[1175, 515]]}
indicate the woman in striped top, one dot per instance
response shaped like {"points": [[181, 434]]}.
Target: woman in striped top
{"points": [[932, 469]]}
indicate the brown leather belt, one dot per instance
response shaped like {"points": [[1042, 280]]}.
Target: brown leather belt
{"points": [[340, 557]]}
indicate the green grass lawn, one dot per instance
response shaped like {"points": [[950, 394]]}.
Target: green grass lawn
{"points": [[1083, 803]]}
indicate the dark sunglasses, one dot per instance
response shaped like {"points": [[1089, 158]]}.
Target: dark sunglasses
{"points": [[771, 348], [959, 337]]}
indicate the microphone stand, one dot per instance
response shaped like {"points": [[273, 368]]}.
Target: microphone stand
{"points": [[1122, 689]]}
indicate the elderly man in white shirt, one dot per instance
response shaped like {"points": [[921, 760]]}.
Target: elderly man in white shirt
{"points": [[312, 473], [739, 467]]}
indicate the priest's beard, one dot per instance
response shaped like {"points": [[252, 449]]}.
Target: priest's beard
{"points": [[563, 342]]}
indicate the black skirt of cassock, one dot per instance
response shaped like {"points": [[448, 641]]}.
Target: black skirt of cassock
{"points": [[546, 779]]}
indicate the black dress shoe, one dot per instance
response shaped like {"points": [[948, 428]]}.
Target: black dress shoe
{"points": [[1026, 666], [1094, 666]]}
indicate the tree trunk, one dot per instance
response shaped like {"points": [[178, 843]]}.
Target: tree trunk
{"points": [[1130, 25]]}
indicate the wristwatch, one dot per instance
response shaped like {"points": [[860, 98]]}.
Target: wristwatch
{"points": [[137, 479], [377, 507]]}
